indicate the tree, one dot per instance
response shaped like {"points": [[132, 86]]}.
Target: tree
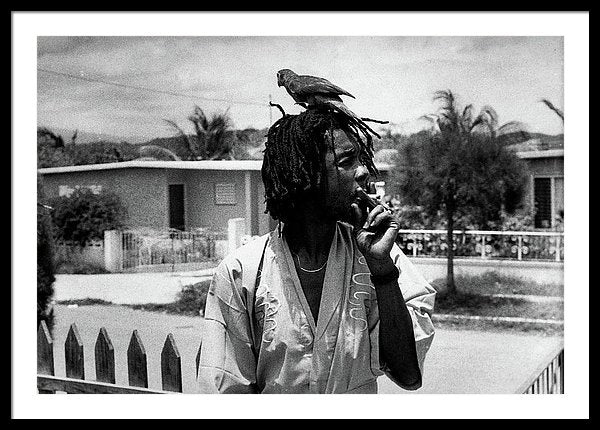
{"points": [[46, 136], [213, 139], [463, 170], [102, 152], [84, 215], [51, 150], [45, 259]]}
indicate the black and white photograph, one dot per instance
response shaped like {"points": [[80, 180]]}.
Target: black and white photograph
{"points": [[234, 203]]}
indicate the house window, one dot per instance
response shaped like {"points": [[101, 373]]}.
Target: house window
{"points": [[548, 198], [67, 190], [225, 194]]}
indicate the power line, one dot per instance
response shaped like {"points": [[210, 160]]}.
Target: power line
{"points": [[152, 90]]}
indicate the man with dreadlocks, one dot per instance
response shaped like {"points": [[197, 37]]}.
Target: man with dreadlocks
{"points": [[326, 302]]}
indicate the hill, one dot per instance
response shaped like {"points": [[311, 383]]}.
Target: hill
{"points": [[90, 137]]}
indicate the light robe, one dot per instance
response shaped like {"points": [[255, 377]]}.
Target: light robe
{"points": [[277, 347]]}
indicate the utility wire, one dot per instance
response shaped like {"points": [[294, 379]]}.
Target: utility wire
{"points": [[152, 90]]}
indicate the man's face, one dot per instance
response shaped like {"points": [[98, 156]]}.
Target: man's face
{"points": [[343, 178]]}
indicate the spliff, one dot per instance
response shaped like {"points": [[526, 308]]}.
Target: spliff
{"points": [[371, 203]]}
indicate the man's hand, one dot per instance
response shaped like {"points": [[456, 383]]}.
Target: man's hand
{"points": [[375, 235]]}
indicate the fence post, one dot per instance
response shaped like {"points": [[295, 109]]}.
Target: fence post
{"points": [[74, 362], [557, 247], [520, 248], [482, 246], [105, 358], [113, 250], [45, 360], [170, 364], [137, 366], [236, 228]]}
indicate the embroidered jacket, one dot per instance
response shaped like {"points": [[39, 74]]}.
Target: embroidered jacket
{"points": [[275, 346]]}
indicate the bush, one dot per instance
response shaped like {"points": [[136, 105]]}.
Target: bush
{"points": [[192, 298], [79, 268], [191, 301], [84, 215], [45, 261]]}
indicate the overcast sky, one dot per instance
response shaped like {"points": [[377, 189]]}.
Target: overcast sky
{"points": [[392, 78]]}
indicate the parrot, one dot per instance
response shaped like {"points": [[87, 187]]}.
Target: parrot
{"points": [[311, 91]]}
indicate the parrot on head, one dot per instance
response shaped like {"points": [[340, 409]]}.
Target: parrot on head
{"points": [[314, 92], [309, 90]]}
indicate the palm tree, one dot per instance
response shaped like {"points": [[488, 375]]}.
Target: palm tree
{"points": [[458, 131], [556, 110], [211, 135], [450, 120]]}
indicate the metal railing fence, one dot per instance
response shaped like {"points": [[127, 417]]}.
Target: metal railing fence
{"points": [[515, 245], [146, 247]]}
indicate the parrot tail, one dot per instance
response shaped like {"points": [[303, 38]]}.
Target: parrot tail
{"points": [[340, 107]]}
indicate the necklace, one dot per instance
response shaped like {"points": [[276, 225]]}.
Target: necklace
{"points": [[308, 270]]}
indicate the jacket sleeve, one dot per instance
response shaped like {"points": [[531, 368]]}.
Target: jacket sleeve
{"points": [[419, 297], [227, 363]]}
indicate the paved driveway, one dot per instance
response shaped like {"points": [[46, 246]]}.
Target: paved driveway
{"points": [[459, 361]]}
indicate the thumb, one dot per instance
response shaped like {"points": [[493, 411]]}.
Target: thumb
{"points": [[357, 217]]}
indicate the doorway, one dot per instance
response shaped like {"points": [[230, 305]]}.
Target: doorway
{"points": [[176, 206]]}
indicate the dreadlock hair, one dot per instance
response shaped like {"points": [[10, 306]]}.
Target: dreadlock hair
{"points": [[294, 156]]}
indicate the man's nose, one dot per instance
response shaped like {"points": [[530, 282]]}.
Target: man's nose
{"points": [[361, 176]]}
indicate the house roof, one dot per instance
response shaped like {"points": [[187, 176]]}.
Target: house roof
{"points": [[386, 156], [548, 153], [239, 165]]}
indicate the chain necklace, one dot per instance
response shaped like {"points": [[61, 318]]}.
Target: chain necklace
{"points": [[308, 270]]}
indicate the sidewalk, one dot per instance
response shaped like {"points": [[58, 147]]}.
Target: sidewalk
{"points": [[126, 288]]}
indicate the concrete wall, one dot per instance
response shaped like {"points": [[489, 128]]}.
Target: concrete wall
{"points": [[553, 166], [142, 191], [145, 194], [200, 185], [92, 254]]}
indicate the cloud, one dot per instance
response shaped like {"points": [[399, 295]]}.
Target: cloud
{"points": [[62, 44], [393, 78]]}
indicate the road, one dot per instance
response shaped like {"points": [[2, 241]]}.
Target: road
{"points": [[126, 288], [460, 361]]}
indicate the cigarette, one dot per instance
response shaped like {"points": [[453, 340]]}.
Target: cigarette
{"points": [[371, 203]]}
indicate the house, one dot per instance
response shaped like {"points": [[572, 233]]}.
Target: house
{"points": [[176, 194], [545, 191]]}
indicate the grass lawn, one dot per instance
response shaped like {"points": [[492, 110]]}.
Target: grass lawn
{"points": [[472, 299], [471, 304], [495, 283]]}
